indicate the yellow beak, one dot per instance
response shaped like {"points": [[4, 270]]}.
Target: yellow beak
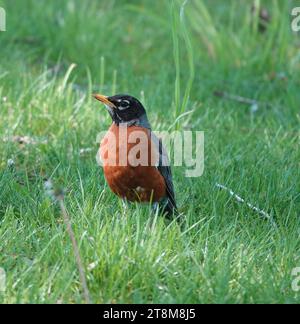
{"points": [[104, 100]]}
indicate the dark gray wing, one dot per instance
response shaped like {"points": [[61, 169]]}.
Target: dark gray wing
{"points": [[164, 168]]}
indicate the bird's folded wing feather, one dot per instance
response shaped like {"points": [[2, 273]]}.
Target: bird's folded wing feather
{"points": [[165, 169]]}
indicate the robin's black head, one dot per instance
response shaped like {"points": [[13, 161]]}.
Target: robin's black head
{"points": [[122, 108]]}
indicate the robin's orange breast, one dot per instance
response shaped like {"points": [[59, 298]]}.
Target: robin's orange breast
{"points": [[129, 158]]}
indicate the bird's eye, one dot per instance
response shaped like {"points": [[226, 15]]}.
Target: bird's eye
{"points": [[124, 104]]}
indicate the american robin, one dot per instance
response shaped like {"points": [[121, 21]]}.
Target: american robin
{"points": [[135, 163]]}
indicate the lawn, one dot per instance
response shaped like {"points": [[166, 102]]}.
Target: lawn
{"points": [[54, 55]]}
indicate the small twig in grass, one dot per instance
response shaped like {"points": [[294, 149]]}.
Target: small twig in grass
{"points": [[241, 200], [239, 99], [58, 195], [75, 248], [251, 102], [24, 140]]}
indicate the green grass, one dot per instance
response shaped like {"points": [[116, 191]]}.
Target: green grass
{"points": [[222, 252]]}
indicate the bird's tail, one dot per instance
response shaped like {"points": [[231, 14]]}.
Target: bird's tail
{"points": [[169, 208]]}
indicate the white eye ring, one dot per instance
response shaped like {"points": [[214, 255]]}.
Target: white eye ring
{"points": [[124, 107]]}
